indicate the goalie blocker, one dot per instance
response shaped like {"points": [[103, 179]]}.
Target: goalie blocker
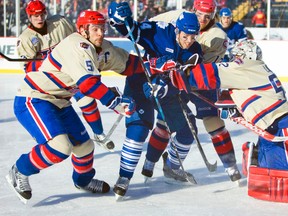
{"points": [[263, 183]]}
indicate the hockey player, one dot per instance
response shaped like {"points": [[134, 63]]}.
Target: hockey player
{"points": [[38, 40], [235, 30], [213, 42], [169, 43], [260, 98], [43, 106]]}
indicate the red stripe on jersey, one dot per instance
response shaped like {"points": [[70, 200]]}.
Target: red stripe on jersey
{"points": [[133, 66], [37, 119], [268, 109], [93, 87], [198, 76], [54, 62], [34, 85], [33, 66], [211, 78]]}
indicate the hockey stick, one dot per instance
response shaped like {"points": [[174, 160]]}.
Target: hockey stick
{"points": [[119, 118], [210, 167], [193, 181], [240, 120], [18, 59], [110, 146]]}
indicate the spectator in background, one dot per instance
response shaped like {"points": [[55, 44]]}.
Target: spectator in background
{"points": [[259, 19]]}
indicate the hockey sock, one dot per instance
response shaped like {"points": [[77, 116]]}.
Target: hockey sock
{"points": [[40, 157], [223, 145], [132, 149], [157, 144], [92, 116], [83, 171], [183, 150]]}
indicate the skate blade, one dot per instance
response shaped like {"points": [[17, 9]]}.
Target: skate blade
{"points": [[147, 180], [180, 183], [118, 197], [22, 199]]}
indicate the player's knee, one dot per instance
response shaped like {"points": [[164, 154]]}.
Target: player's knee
{"points": [[83, 149], [213, 123], [61, 143]]}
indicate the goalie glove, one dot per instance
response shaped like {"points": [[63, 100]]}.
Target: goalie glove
{"points": [[122, 104], [118, 13]]}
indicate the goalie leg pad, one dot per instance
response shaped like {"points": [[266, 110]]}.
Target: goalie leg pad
{"points": [[268, 184]]}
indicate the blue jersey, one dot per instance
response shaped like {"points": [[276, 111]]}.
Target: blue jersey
{"points": [[235, 32], [159, 39]]}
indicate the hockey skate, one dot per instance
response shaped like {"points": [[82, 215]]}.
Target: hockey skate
{"points": [[147, 170], [176, 175], [121, 187], [104, 142], [20, 184], [95, 186], [233, 173]]}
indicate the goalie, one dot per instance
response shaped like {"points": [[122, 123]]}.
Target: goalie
{"points": [[260, 98]]}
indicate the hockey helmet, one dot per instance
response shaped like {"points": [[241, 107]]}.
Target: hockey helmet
{"points": [[207, 6], [89, 17], [188, 23], [35, 7], [247, 49], [226, 12]]}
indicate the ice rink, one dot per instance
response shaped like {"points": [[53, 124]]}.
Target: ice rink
{"points": [[55, 194]]}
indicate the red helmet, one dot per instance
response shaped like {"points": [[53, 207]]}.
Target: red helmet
{"points": [[207, 6], [35, 7], [89, 17]]}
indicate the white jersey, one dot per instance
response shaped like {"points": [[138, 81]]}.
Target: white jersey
{"points": [[254, 88], [32, 44], [71, 63], [213, 41]]}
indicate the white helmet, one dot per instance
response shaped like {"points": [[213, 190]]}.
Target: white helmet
{"points": [[247, 49]]}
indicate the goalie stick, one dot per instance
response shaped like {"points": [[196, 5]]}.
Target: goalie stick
{"points": [[240, 120], [18, 59], [192, 179]]}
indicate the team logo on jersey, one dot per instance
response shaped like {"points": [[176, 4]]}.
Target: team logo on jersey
{"points": [[84, 45], [225, 43], [34, 40], [169, 50], [162, 24]]}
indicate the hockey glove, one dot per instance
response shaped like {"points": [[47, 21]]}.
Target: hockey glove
{"points": [[160, 65], [119, 12], [122, 104], [157, 88]]}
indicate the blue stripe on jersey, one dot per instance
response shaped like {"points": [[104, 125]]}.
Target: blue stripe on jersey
{"points": [[268, 110], [263, 87], [216, 75], [204, 74], [248, 102], [34, 68], [57, 82], [54, 62]]}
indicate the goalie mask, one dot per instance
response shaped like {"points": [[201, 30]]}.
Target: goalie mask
{"points": [[246, 49]]}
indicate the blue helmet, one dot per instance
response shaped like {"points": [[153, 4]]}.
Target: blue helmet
{"points": [[188, 23], [225, 12]]}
